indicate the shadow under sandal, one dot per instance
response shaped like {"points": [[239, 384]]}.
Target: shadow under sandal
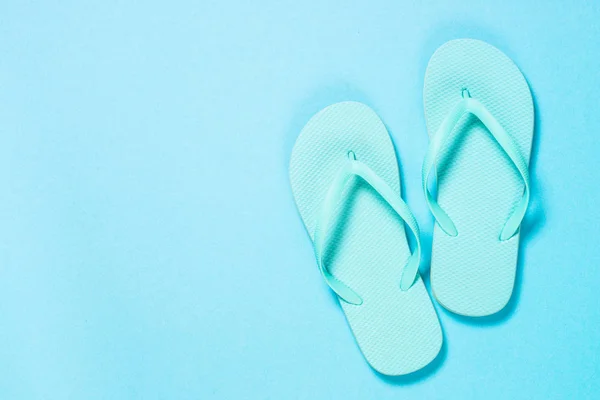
{"points": [[479, 114], [345, 179]]}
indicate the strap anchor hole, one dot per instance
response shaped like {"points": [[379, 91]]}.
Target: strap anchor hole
{"points": [[465, 93], [351, 155]]}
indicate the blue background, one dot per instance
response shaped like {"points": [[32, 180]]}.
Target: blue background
{"points": [[149, 243]]}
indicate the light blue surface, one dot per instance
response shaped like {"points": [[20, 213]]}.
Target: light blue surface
{"points": [[149, 243]]}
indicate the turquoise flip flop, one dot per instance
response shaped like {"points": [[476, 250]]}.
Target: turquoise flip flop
{"points": [[479, 114], [345, 180]]}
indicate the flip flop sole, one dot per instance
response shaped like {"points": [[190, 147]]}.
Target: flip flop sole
{"points": [[397, 331], [473, 273]]}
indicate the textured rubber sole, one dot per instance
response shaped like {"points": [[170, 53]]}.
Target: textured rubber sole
{"points": [[397, 331], [473, 273]]}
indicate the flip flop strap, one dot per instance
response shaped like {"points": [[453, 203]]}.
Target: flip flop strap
{"points": [[506, 142], [334, 194]]}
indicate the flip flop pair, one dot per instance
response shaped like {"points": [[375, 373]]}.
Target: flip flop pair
{"points": [[345, 180]]}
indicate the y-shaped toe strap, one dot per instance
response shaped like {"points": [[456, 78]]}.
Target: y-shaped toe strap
{"points": [[356, 168], [506, 142]]}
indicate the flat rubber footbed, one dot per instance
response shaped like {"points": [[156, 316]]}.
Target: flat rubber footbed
{"points": [[473, 274], [397, 331]]}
